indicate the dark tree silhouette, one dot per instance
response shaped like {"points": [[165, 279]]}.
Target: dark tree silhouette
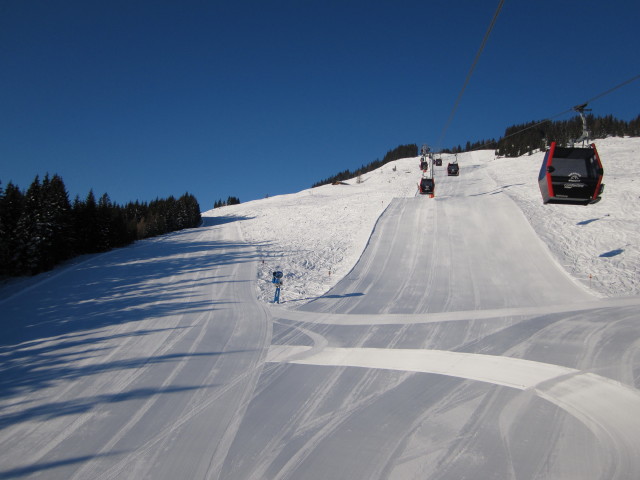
{"points": [[40, 228]]}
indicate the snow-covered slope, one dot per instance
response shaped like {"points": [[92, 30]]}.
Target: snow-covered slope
{"points": [[456, 347], [317, 235]]}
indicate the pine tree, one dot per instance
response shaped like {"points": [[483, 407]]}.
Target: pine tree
{"points": [[103, 220], [4, 236], [57, 218], [86, 225], [11, 206], [30, 231]]}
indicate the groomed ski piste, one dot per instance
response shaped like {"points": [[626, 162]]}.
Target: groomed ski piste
{"points": [[477, 334]]}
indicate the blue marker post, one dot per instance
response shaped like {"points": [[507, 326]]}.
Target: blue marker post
{"points": [[277, 281]]}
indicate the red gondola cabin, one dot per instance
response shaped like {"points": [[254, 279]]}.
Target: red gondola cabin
{"points": [[427, 186], [571, 176]]}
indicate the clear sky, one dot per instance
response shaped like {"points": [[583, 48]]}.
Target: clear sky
{"points": [[247, 98]]}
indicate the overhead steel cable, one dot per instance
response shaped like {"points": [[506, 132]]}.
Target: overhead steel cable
{"points": [[613, 88], [572, 109], [473, 66]]}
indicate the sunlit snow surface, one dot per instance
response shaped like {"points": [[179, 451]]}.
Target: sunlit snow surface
{"points": [[317, 235]]}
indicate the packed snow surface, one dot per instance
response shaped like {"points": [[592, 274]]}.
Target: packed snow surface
{"points": [[462, 337]]}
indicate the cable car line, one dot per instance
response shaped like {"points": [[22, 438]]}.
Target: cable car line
{"points": [[613, 88], [584, 104], [564, 112], [473, 66], [571, 175]]}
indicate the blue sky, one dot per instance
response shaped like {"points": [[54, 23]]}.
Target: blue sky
{"points": [[145, 99]]}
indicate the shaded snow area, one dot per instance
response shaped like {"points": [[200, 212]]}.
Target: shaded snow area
{"points": [[316, 236]]}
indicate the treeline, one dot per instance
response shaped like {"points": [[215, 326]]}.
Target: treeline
{"points": [[532, 136], [469, 147], [518, 140], [229, 201], [40, 228], [402, 151]]}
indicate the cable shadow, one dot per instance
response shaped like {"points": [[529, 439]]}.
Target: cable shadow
{"points": [[359, 294], [496, 190], [347, 295]]}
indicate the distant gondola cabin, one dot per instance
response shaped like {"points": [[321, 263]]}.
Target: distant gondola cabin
{"points": [[426, 186]]}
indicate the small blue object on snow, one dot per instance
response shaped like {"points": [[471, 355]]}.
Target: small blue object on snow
{"points": [[277, 281]]}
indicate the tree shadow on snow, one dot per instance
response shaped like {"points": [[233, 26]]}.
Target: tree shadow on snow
{"points": [[77, 406], [213, 221], [65, 328], [39, 467]]}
